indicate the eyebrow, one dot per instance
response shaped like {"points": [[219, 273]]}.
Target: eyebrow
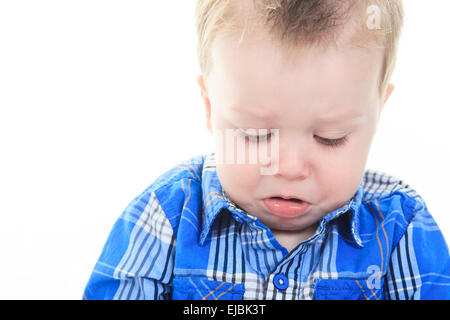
{"points": [[253, 115], [343, 118]]}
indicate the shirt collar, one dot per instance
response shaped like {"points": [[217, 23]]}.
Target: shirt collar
{"points": [[350, 214], [215, 200]]}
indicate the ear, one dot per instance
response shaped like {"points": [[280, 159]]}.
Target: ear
{"points": [[387, 94], [389, 90], [206, 101]]}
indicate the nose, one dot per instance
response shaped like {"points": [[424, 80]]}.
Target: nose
{"points": [[293, 163]]}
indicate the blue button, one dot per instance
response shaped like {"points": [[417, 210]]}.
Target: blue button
{"points": [[281, 281]]}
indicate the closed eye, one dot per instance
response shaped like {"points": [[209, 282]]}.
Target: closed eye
{"points": [[256, 138], [333, 143]]}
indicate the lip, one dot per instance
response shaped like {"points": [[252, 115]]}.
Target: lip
{"points": [[282, 207], [287, 197]]}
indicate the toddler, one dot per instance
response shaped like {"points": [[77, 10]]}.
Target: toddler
{"points": [[284, 208]]}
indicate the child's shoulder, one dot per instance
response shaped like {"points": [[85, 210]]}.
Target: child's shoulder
{"points": [[400, 199], [190, 168], [378, 184]]}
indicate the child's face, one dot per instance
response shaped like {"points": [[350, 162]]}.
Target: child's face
{"points": [[329, 94]]}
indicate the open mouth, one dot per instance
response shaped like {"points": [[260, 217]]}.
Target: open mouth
{"points": [[288, 208], [290, 199]]}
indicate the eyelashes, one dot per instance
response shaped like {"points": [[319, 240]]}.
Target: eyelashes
{"points": [[330, 143]]}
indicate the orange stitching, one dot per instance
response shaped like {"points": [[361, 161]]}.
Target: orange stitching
{"points": [[204, 298], [186, 169], [364, 293], [226, 291], [212, 199], [187, 164], [212, 193], [189, 196], [384, 230], [373, 293], [379, 242]]}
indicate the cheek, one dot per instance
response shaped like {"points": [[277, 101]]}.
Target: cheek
{"points": [[237, 178], [341, 176]]}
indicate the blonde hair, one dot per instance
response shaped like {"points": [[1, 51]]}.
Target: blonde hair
{"points": [[290, 23]]}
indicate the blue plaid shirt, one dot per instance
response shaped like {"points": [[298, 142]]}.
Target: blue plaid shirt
{"points": [[183, 238]]}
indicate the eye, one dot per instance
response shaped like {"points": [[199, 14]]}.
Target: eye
{"points": [[253, 137], [332, 143]]}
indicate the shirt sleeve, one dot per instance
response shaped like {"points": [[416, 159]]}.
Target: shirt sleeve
{"points": [[137, 260], [420, 264]]}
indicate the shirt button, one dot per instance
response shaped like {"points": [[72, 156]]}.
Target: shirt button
{"points": [[280, 281]]}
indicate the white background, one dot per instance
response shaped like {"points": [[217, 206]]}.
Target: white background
{"points": [[98, 98]]}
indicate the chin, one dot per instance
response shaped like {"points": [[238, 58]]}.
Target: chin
{"points": [[287, 224]]}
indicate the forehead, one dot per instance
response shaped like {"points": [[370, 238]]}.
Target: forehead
{"points": [[258, 77]]}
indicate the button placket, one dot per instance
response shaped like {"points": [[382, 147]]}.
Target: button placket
{"points": [[280, 280]]}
